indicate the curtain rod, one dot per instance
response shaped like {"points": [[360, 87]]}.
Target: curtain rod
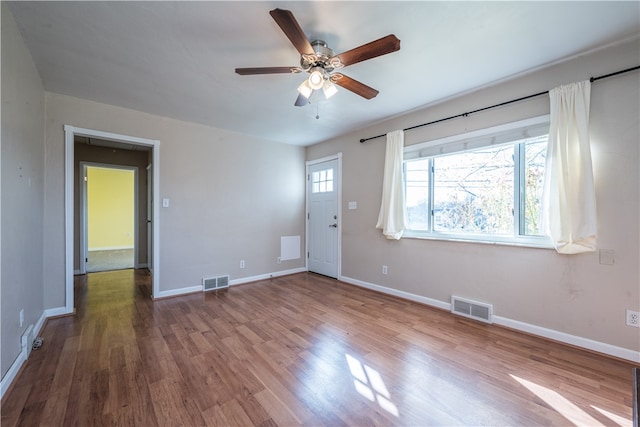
{"points": [[592, 79]]}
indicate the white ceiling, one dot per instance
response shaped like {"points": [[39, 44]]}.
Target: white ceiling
{"points": [[177, 59]]}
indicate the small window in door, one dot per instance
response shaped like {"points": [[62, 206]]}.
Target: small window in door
{"points": [[322, 181]]}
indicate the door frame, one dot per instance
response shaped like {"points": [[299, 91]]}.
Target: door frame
{"points": [[84, 217], [69, 133], [308, 163], [149, 218]]}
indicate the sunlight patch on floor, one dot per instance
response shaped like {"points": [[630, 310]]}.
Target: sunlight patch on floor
{"points": [[622, 422], [561, 404], [369, 383]]}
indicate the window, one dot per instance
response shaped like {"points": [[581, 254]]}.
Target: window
{"points": [[484, 186], [322, 181]]}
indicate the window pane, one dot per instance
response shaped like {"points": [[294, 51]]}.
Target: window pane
{"points": [[535, 153], [417, 194], [473, 191], [322, 181]]}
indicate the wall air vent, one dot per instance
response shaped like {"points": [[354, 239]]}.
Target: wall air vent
{"points": [[472, 309], [215, 283], [27, 340]]}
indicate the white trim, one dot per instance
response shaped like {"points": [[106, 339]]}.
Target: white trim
{"points": [[395, 292], [324, 159], [250, 279], [15, 367], [40, 323], [11, 374], [68, 214], [308, 163], [69, 133], [110, 248], [477, 133], [82, 230], [600, 347], [234, 282], [539, 242], [563, 337], [84, 220], [177, 292], [55, 312]]}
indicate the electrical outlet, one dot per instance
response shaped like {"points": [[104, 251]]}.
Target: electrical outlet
{"points": [[633, 318], [384, 269], [278, 260], [241, 263]]}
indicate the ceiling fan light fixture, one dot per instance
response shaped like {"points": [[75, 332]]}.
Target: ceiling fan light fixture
{"points": [[316, 78], [305, 89], [329, 89]]}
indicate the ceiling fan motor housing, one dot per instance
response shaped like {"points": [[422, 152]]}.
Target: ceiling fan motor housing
{"points": [[323, 57]]}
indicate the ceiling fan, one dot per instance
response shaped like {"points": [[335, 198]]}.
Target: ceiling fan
{"points": [[320, 62]]}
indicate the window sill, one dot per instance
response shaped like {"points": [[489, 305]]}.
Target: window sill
{"points": [[537, 243]]}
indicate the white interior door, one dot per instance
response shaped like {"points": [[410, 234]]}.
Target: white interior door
{"points": [[323, 221]]}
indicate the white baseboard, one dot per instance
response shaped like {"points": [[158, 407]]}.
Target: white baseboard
{"points": [[402, 294], [22, 357], [180, 291], [586, 343], [109, 248], [239, 281], [589, 344], [12, 373], [250, 279]]}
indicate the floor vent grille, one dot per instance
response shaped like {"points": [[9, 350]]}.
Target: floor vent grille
{"points": [[215, 283], [472, 309]]}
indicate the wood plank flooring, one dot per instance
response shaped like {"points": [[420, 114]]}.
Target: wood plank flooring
{"points": [[299, 350]]}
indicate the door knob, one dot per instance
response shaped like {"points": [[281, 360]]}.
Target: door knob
{"points": [[333, 225]]}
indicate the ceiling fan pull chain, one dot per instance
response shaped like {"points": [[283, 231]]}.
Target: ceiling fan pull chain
{"points": [[317, 111]]}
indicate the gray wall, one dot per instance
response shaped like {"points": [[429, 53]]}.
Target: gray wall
{"points": [[231, 196], [571, 294], [22, 177]]}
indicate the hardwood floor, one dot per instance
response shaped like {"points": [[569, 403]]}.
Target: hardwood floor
{"points": [[299, 350]]}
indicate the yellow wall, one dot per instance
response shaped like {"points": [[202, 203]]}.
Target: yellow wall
{"points": [[110, 208]]}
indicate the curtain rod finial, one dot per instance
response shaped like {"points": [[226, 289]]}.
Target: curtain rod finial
{"points": [[362, 141]]}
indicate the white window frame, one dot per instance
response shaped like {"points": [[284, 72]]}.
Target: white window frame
{"points": [[468, 142]]}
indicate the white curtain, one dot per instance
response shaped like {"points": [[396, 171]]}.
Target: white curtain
{"points": [[393, 212], [569, 201]]}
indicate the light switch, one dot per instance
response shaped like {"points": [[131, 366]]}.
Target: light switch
{"points": [[165, 203], [353, 205]]}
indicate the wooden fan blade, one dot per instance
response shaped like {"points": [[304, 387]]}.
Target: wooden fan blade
{"points": [[267, 70], [370, 50], [288, 24], [354, 86]]}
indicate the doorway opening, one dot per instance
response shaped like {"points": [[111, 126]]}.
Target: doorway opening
{"points": [[113, 141], [109, 210]]}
